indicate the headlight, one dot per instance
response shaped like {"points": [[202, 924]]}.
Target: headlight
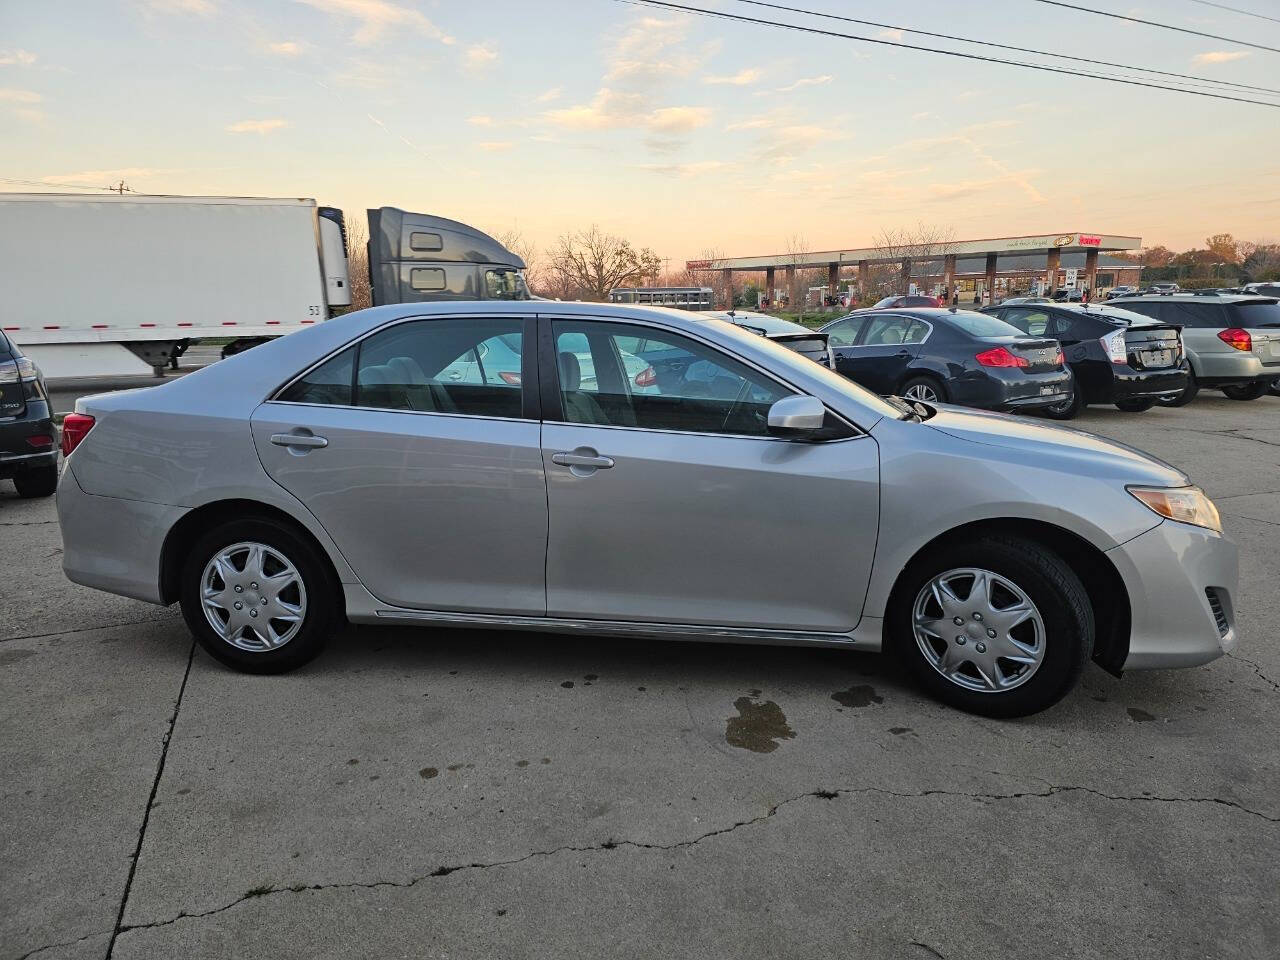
{"points": [[1184, 504]]}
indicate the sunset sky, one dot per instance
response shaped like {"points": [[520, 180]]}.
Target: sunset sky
{"points": [[682, 133]]}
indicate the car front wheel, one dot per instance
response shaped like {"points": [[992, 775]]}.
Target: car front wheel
{"points": [[999, 626], [1132, 405], [257, 596]]}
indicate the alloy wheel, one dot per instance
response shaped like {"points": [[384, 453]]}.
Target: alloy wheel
{"points": [[921, 392], [979, 630], [253, 597]]}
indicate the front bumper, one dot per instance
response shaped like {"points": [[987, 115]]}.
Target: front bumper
{"points": [[1167, 571], [93, 529]]}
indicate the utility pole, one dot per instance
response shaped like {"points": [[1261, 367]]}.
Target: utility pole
{"points": [[120, 188]]}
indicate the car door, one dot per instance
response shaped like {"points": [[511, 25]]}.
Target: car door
{"points": [[842, 335], [432, 487], [885, 348], [670, 501]]}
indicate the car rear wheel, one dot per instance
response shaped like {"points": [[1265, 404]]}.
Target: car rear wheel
{"points": [[258, 597], [1136, 405], [1186, 396], [924, 390], [1247, 391], [40, 482], [1066, 410], [1000, 626], [1275, 387]]}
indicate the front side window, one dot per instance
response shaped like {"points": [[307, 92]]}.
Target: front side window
{"points": [[505, 285], [466, 366], [620, 375]]}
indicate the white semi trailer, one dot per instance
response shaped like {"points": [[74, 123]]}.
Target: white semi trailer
{"points": [[108, 285]]}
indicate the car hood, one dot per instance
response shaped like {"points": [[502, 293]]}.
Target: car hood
{"points": [[1034, 439]]}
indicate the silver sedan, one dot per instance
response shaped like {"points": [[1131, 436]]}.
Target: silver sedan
{"points": [[335, 475]]}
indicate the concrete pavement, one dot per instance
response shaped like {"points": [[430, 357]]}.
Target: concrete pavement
{"points": [[435, 793]]}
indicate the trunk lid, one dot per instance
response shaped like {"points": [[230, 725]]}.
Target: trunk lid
{"points": [[1041, 354], [13, 402], [1153, 346], [811, 345]]}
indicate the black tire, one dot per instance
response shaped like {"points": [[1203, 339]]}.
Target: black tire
{"points": [[1130, 405], [1247, 391], [39, 482], [1046, 579], [927, 384], [1186, 396], [1067, 409], [1275, 387], [322, 608]]}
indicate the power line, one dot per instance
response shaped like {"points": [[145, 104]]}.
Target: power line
{"points": [[1005, 46], [1155, 23], [1247, 13], [723, 15]]}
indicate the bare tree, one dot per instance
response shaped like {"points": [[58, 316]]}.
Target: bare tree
{"points": [[358, 264], [922, 248], [797, 261], [526, 250], [589, 263]]}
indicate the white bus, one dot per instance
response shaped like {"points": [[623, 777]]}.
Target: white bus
{"points": [[682, 298]]}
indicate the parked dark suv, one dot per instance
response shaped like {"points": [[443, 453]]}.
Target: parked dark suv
{"points": [[28, 438], [1117, 356]]}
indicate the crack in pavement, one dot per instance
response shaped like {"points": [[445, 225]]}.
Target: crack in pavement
{"points": [[24, 523], [151, 799], [1256, 669], [1240, 516], [65, 943], [101, 626], [444, 871]]}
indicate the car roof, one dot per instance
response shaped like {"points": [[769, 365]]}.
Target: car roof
{"points": [[1193, 298]]}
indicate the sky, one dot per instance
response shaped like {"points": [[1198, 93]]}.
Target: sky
{"points": [[683, 133]]}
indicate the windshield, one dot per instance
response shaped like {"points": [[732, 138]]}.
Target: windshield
{"points": [[1117, 315], [772, 326], [1258, 313], [981, 325]]}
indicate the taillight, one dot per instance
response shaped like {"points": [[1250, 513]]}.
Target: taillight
{"points": [[1000, 357], [1235, 337], [511, 378], [75, 427], [1114, 344], [41, 441], [646, 377], [1060, 358]]}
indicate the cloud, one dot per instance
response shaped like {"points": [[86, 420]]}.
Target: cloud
{"points": [[201, 8], [805, 82], [740, 79], [495, 146], [257, 126], [30, 115], [892, 34], [13, 95], [683, 170], [1220, 56], [611, 109], [286, 48], [480, 55], [480, 120], [922, 115], [546, 96], [21, 58], [375, 16], [646, 52], [759, 123]]}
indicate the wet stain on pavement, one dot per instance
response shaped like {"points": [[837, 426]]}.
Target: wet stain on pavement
{"points": [[859, 695], [1139, 716], [758, 726], [591, 676], [13, 656], [522, 763], [899, 731], [426, 773], [568, 684]]}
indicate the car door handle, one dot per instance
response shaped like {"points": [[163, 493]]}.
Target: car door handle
{"points": [[298, 440], [579, 459]]}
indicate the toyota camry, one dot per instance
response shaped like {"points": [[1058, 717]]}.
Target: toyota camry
{"points": [[384, 468]]}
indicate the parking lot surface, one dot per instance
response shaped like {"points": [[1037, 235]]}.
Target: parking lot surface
{"points": [[448, 793]]}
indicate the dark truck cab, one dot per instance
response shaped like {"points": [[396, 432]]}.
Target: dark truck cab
{"points": [[418, 257], [28, 437]]}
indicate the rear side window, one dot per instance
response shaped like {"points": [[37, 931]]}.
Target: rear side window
{"points": [[887, 331], [1260, 314], [1203, 315], [329, 383]]}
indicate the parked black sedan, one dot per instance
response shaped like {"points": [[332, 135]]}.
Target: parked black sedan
{"points": [[949, 356], [1118, 356], [28, 438]]}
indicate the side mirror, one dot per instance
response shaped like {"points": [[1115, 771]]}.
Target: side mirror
{"points": [[796, 417]]}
